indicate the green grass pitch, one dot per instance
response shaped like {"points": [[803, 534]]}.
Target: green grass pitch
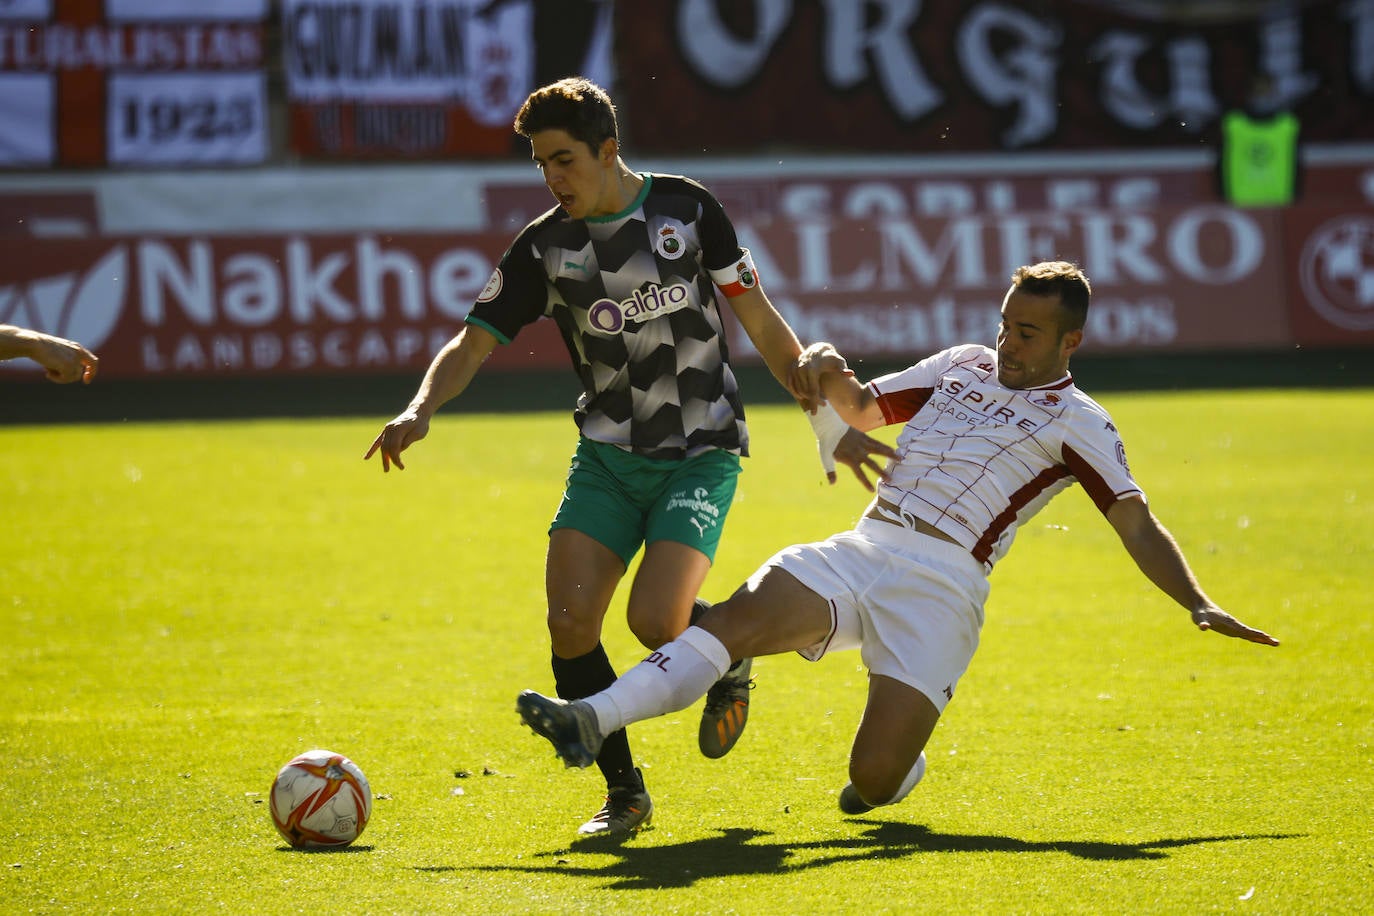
{"points": [[188, 606]]}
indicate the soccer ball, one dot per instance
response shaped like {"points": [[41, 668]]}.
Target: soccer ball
{"points": [[320, 800]]}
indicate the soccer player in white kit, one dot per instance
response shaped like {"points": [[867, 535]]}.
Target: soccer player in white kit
{"points": [[989, 437]]}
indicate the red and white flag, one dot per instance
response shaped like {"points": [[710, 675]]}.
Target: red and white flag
{"points": [[90, 83]]}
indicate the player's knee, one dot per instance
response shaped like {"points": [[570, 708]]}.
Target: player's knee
{"points": [[654, 622], [653, 633], [572, 633]]}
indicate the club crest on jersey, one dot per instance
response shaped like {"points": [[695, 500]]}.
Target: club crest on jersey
{"points": [[1048, 399], [607, 316], [493, 287], [669, 244]]}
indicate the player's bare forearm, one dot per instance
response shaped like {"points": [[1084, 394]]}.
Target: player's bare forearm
{"points": [[1156, 552], [852, 401], [15, 342], [779, 355], [63, 360], [821, 372], [1163, 563], [453, 369], [771, 335], [449, 374], [1159, 557]]}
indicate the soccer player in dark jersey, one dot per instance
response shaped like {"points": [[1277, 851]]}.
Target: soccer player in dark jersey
{"points": [[628, 264]]}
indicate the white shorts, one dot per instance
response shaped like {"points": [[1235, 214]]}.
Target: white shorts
{"points": [[912, 604]]}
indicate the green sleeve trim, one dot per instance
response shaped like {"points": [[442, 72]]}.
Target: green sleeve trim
{"points": [[486, 327]]}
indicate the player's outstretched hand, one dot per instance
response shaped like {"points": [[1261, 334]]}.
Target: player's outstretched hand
{"points": [[856, 450], [1214, 618], [396, 437], [64, 361]]}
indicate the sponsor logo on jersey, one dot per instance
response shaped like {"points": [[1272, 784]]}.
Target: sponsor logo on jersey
{"points": [[610, 317], [493, 287], [985, 405], [1048, 399]]}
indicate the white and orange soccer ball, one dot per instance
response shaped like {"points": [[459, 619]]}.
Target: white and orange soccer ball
{"points": [[320, 800]]}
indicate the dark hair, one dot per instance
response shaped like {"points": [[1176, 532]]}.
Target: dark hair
{"points": [[1063, 280], [576, 105]]}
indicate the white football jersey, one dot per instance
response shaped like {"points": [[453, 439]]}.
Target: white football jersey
{"points": [[977, 459]]}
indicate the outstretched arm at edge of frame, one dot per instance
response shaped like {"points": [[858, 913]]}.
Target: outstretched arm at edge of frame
{"points": [[449, 374], [1158, 555]]}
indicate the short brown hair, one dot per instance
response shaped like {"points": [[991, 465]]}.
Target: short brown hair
{"points": [[576, 105], [1063, 280]]}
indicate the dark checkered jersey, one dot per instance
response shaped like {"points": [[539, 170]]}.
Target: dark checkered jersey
{"points": [[637, 309]]}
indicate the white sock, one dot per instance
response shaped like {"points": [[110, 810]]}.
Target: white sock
{"points": [[671, 678], [913, 776]]}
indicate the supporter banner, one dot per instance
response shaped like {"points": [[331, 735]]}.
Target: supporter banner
{"points": [[25, 10], [28, 134], [132, 83], [893, 75], [184, 118], [177, 10], [427, 78]]}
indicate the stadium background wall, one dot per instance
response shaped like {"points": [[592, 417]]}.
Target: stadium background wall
{"points": [[1026, 131]]}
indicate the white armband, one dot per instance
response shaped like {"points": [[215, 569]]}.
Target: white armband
{"points": [[734, 279], [830, 428]]}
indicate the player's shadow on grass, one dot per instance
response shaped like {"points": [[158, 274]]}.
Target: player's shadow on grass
{"points": [[734, 853]]}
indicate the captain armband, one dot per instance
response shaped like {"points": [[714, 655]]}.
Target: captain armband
{"points": [[737, 278]]}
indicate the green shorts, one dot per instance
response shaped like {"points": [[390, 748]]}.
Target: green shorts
{"points": [[624, 501]]}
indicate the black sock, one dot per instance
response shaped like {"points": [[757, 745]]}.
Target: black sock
{"points": [[576, 678]]}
